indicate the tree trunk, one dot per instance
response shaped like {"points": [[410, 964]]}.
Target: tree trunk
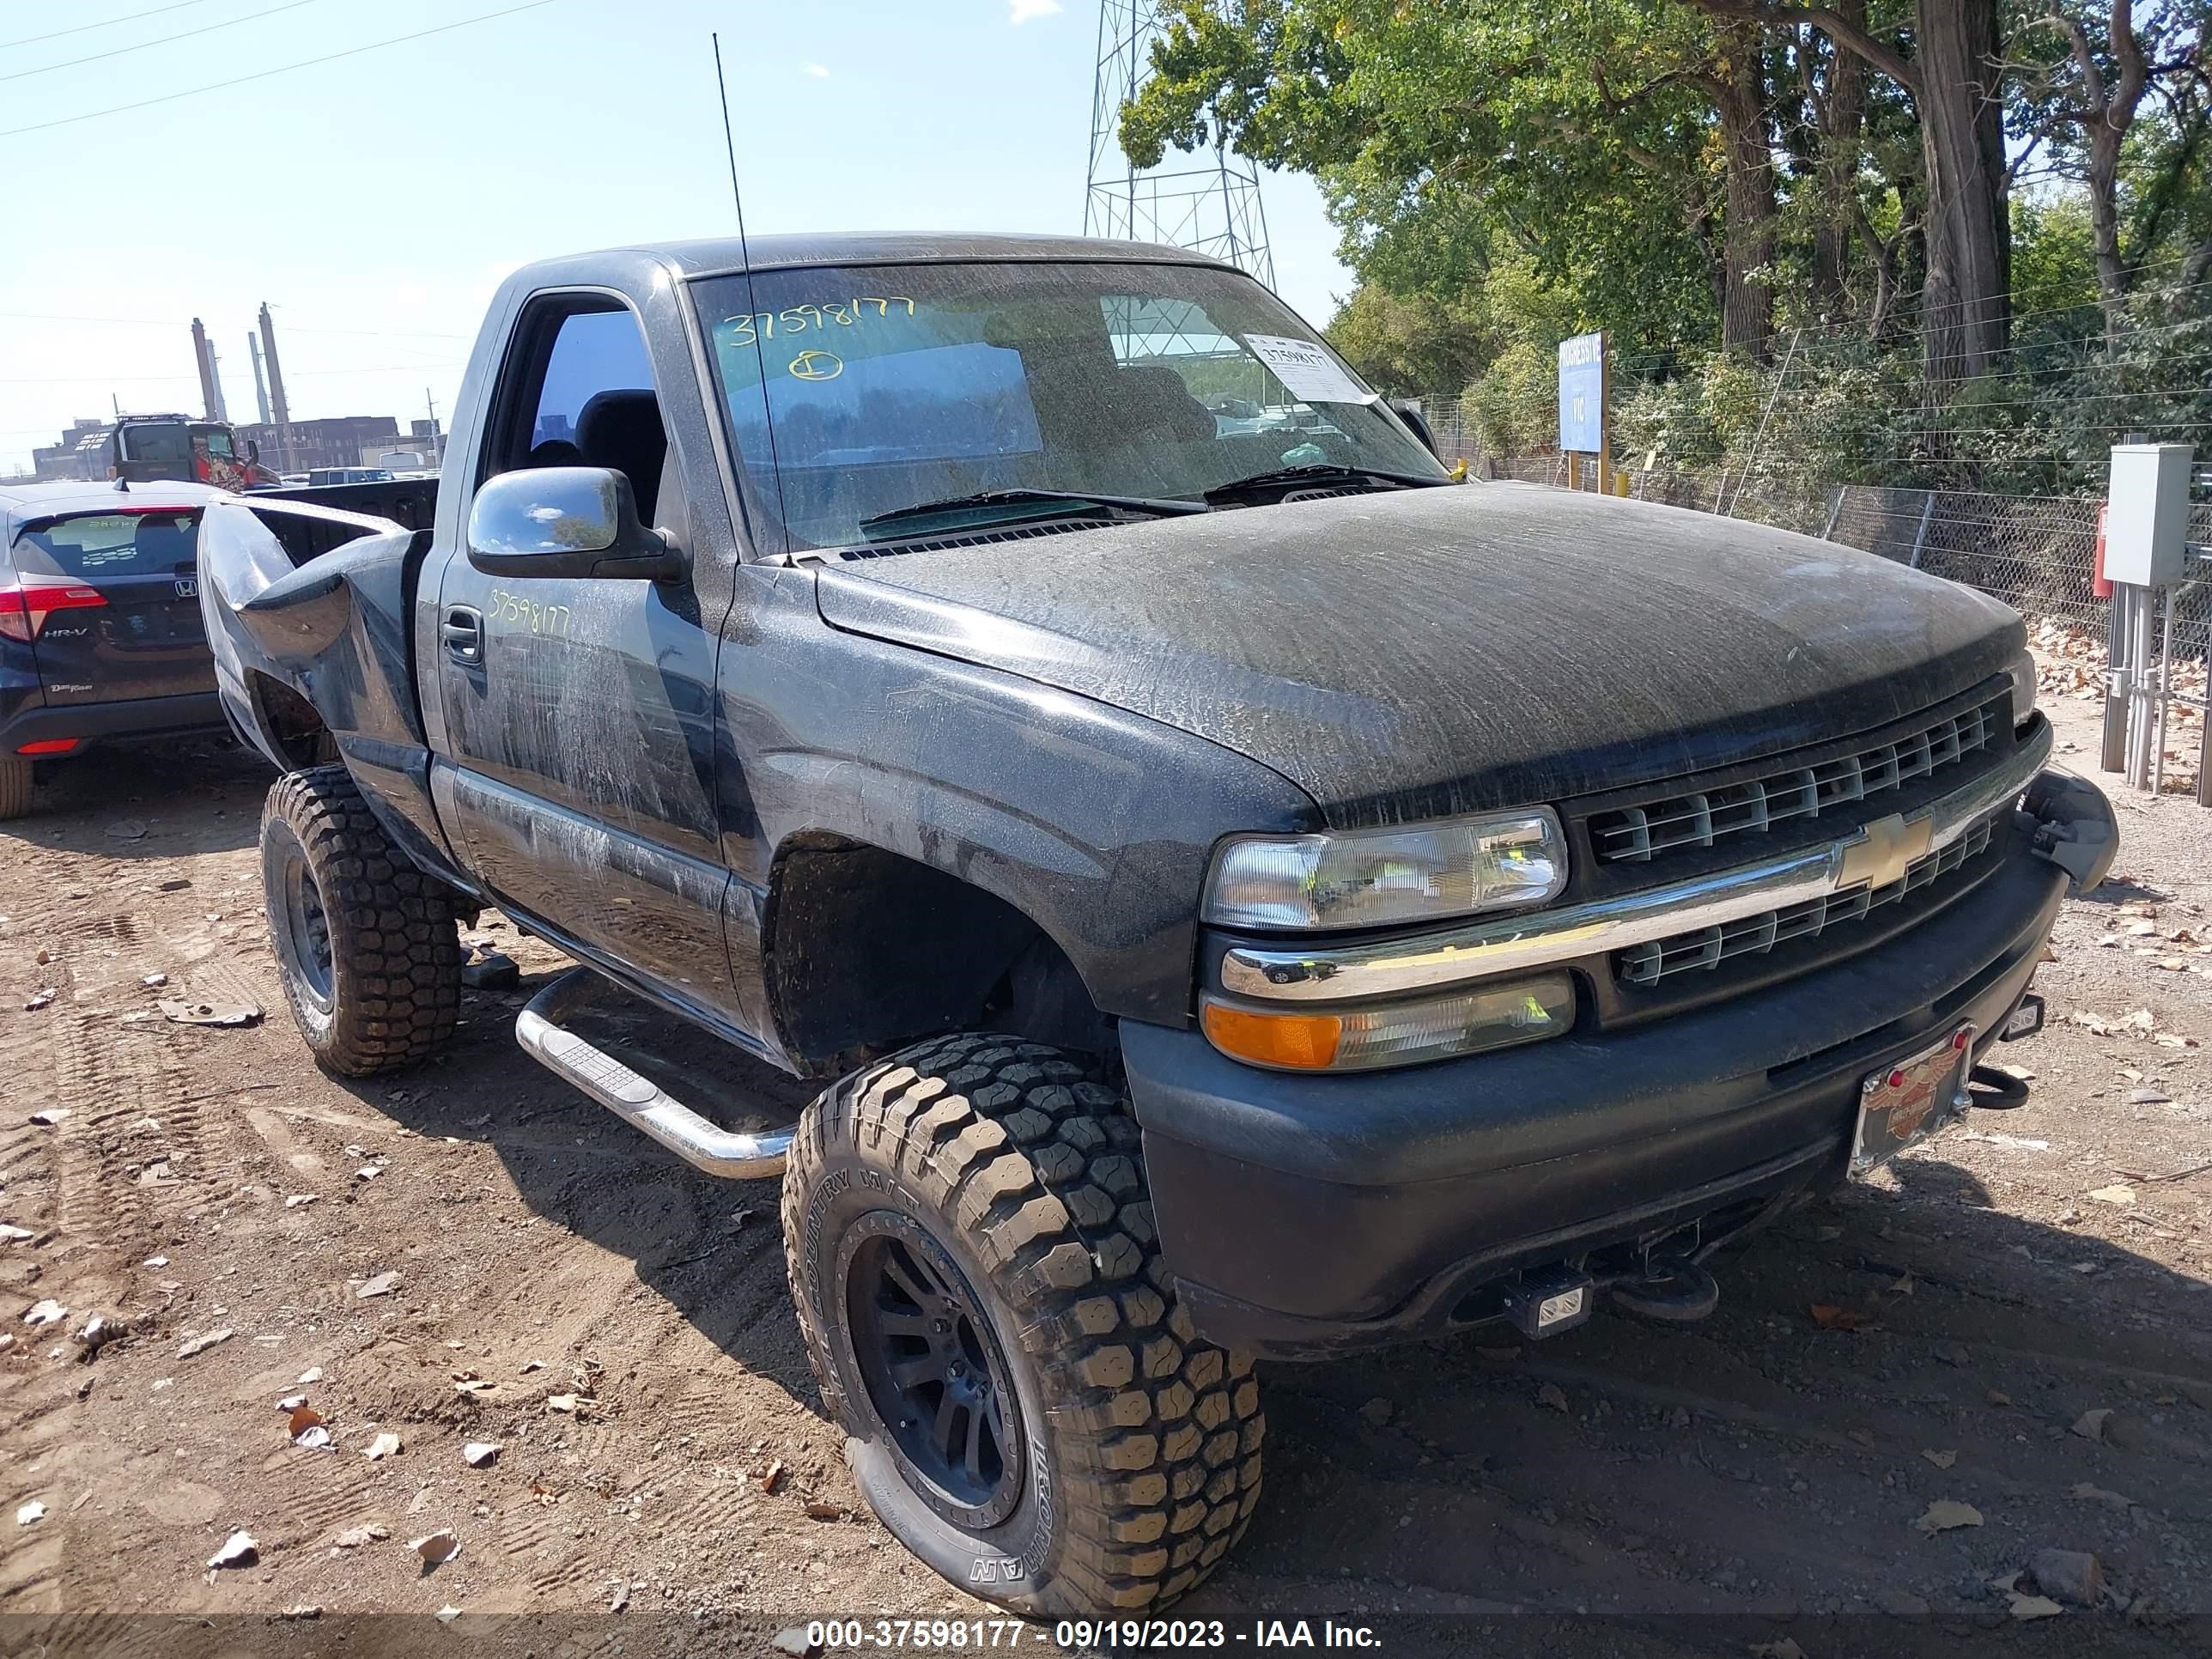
{"points": [[1747, 301], [1967, 305], [1842, 107]]}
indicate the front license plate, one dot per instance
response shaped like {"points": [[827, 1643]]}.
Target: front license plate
{"points": [[1904, 1104]]}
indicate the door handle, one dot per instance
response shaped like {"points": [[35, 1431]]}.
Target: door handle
{"points": [[463, 631]]}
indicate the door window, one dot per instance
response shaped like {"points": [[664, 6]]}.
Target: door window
{"points": [[584, 397]]}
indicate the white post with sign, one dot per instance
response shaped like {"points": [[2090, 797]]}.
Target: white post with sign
{"points": [[1585, 410]]}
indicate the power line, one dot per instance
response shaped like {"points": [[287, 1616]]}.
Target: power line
{"points": [[263, 75], [290, 327], [163, 40], [83, 28], [127, 377]]}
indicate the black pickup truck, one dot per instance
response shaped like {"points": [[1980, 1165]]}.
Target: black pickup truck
{"points": [[1244, 894]]}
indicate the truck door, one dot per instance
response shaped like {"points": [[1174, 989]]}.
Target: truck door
{"points": [[579, 712]]}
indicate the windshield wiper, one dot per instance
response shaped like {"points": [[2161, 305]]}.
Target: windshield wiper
{"points": [[1154, 506], [1313, 472]]}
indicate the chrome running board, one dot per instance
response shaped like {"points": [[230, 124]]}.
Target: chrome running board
{"points": [[639, 1101]]}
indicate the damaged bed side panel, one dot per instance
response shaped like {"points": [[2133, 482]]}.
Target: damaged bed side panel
{"points": [[308, 611]]}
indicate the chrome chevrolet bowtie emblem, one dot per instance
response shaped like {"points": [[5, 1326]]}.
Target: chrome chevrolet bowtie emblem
{"points": [[1884, 849]]}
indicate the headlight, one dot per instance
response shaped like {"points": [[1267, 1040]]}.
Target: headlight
{"points": [[1371, 878], [2023, 688]]}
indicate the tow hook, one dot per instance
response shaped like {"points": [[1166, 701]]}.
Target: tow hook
{"points": [[1675, 1291], [1990, 1089]]}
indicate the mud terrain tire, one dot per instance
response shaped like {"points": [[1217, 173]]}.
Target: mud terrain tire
{"points": [[15, 786], [1004, 1176], [365, 943]]}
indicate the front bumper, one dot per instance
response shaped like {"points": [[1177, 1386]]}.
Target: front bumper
{"points": [[1306, 1215]]}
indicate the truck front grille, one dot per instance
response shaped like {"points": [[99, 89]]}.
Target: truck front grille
{"points": [[1707, 948], [1654, 829]]}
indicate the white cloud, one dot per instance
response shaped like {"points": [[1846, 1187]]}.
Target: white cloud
{"points": [[819, 71], [1020, 11]]}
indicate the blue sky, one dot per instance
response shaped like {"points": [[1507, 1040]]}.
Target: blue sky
{"points": [[377, 200]]}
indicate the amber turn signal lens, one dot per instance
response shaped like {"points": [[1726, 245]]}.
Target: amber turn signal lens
{"points": [[1300, 1041]]}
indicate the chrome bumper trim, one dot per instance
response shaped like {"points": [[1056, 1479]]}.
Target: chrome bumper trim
{"points": [[1541, 939]]}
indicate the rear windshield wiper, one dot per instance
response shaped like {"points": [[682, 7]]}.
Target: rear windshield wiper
{"points": [[1154, 506], [1316, 473]]}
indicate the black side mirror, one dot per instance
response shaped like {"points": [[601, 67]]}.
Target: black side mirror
{"points": [[566, 521], [1410, 412], [253, 451]]}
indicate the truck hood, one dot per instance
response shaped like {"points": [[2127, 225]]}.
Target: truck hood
{"points": [[1421, 652]]}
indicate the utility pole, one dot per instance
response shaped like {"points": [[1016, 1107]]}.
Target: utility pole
{"points": [[277, 390], [260, 386], [437, 444], [203, 360]]}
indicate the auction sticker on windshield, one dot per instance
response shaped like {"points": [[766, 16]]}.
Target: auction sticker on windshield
{"points": [[1307, 372]]}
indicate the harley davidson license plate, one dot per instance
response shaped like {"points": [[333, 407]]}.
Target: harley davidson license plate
{"points": [[1907, 1103]]}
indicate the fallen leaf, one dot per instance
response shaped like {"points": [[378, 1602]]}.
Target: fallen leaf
{"points": [[1830, 1317], [1941, 1460], [1947, 1513], [772, 1478], [438, 1546], [383, 1446], [239, 1550], [479, 1453], [2094, 1494], [304, 1417], [1552, 1397], [819, 1512], [202, 1344], [30, 1514]]}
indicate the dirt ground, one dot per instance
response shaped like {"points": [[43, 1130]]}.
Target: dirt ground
{"points": [[2017, 1321]]}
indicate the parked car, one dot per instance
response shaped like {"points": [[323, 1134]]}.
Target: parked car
{"points": [[100, 637], [1240, 901]]}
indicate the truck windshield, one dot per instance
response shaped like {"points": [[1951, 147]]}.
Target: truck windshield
{"points": [[891, 386]]}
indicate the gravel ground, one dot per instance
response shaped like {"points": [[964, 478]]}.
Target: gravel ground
{"points": [[2017, 1323]]}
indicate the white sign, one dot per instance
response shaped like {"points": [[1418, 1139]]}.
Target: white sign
{"points": [[1311, 376]]}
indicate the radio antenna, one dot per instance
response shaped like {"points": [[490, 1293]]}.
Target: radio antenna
{"points": [[752, 302]]}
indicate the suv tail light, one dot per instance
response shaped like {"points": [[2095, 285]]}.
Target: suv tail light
{"points": [[25, 606]]}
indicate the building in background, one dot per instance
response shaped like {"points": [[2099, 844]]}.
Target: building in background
{"points": [[80, 448], [337, 441]]}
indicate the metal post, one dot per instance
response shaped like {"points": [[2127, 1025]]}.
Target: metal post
{"points": [[1920, 535], [2164, 696], [2113, 752], [1835, 511]]}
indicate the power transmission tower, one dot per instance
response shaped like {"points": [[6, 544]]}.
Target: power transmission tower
{"points": [[1209, 207]]}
